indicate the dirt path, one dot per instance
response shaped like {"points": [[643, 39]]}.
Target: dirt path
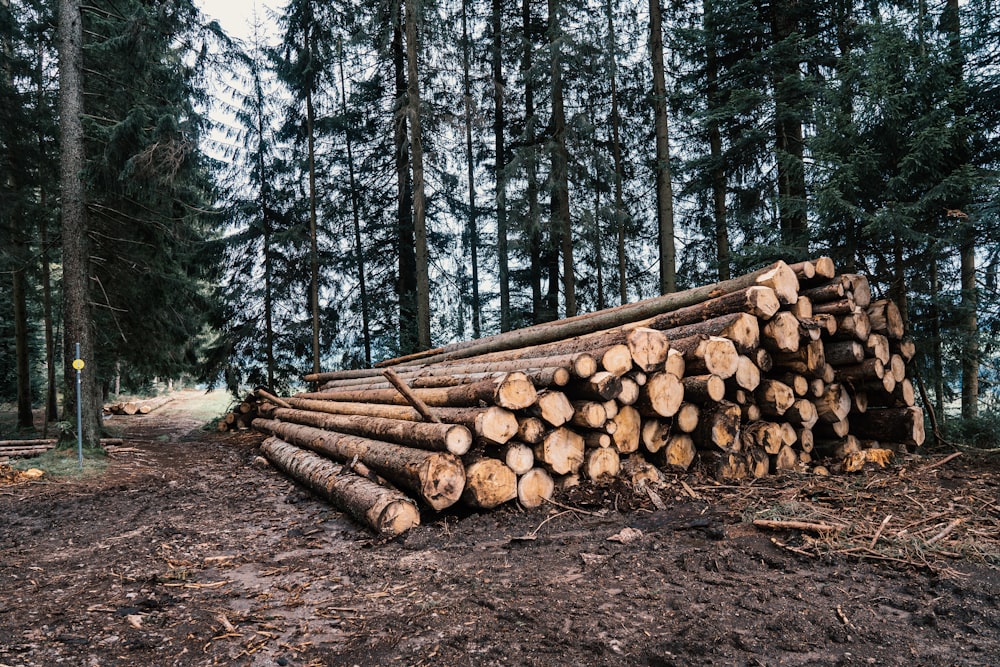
{"points": [[189, 551]]}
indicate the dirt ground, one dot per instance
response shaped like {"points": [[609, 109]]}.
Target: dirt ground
{"points": [[188, 550]]}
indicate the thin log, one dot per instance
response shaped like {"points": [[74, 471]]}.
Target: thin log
{"points": [[518, 456], [411, 397]]}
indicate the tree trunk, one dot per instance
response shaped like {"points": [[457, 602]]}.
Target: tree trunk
{"points": [[355, 217], [470, 175], [718, 168], [406, 286], [534, 231], [562, 228], [620, 213], [313, 223], [501, 164], [386, 511], [514, 391], [76, 255], [664, 189], [438, 478], [417, 156]]}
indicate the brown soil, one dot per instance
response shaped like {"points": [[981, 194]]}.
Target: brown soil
{"points": [[191, 551]]}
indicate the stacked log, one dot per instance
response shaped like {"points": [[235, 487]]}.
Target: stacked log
{"points": [[790, 368], [241, 415], [137, 407]]}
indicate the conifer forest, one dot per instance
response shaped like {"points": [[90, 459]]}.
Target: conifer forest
{"points": [[359, 181]]}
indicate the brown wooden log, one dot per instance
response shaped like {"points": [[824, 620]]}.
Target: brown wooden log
{"points": [[805, 439], [655, 434], [774, 397], [831, 291], [561, 451], [777, 276], [750, 412], [758, 462], [901, 396], [531, 430], [839, 308], [629, 393], [854, 325], [589, 414], [679, 451], [835, 403], [763, 360], [877, 346], [867, 370], [845, 353], [719, 426], [662, 397], [25, 452], [648, 348], [703, 389], [437, 437], [534, 488], [802, 413], [905, 348], [616, 359], [513, 391], [707, 355], [786, 459], [802, 310], [601, 386], [726, 466], [809, 360], [904, 425], [518, 456], [857, 284], [612, 407], [825, 267], [826, 323], [553, 407], [601, 463], [762, 434], [837, 448], [675, 364], [488, 483], [804, 271], [687, 417], [628, 424], [638, 377], [798, 383], [437, 478], [781, 333], [897, 366], [493, 424], [886, 319], [592, 439], [638, 472], [832, 430], [742, 329], [385, 511]]}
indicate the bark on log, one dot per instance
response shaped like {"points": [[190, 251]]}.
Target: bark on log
{"points": [[704, 389], [774, 397], [781, 333], [531, 430], [904, 425], [857, 284], [707, 355], [386, 511], [437, 478], [877, 346], [719, 426], [741, 328], [601, 386], [762, 434], [453, 438], [747, 375], [589, 414], [679, 452], [809, 360], [758, 462], [855, 326], [553, 407], [845, 353], [512, 391], [869, 369], [886, 318], [834, 405]]}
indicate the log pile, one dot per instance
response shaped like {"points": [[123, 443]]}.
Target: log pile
{"points": [[137, 407], [36, 447], [789, 368]]}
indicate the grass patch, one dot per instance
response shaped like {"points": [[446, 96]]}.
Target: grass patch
{"points": [[63, 462]]}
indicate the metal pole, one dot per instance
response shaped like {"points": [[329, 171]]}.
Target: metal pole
{"points": [[79, 414]]}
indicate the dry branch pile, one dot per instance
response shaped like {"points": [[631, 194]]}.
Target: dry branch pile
{"points": [[791, 367]]}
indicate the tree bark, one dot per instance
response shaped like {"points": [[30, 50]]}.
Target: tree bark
{"points": [[78, 320], [500, 175], [621, 214], [664, 189], [406, 286], [562, 228], [473, 227], [417, 157], [386, 511]]}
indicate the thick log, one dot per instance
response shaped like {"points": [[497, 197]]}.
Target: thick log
{"points": [[601, 463], [675, 364], [747, 375], [837, 429], [809, 360], [774, 397], [904, 425], [616, 359], [825, 267], [835, 403], [411, 397], [453, 438], [589, 414], [663, 396], [707, 355], [802, 310], [886, 318], [704, 389], [845, 353], [855, 325], [637, 471], [488, 483], [655, 434], [534, 488], [648, 348], [758, 462], [762, 434], [839, 308], [869, 369], [553, 407], [679, 451], [513, 391], [781, 333], [877, 346], [719, 426], [826, 323], [897, 366], [437, 478], [832, 291], [493, 424], [742, 329], [561, 451], [601, 386], [901, 396], [386, 511], [777, 276], [798, 383], [531, 430], [786, 459], [628, 424], [802, 413], [518, 456], [857, 284]]}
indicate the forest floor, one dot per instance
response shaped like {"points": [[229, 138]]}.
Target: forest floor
{"points": [[187, 549]]}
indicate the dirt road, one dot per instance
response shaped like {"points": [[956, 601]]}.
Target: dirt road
{"points": [[190, 551]]}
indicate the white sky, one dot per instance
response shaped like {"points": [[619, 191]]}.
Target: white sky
{"points": [[234, 15]]}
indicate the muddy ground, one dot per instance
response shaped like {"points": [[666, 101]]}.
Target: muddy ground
{"points": [[187, 550]]}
